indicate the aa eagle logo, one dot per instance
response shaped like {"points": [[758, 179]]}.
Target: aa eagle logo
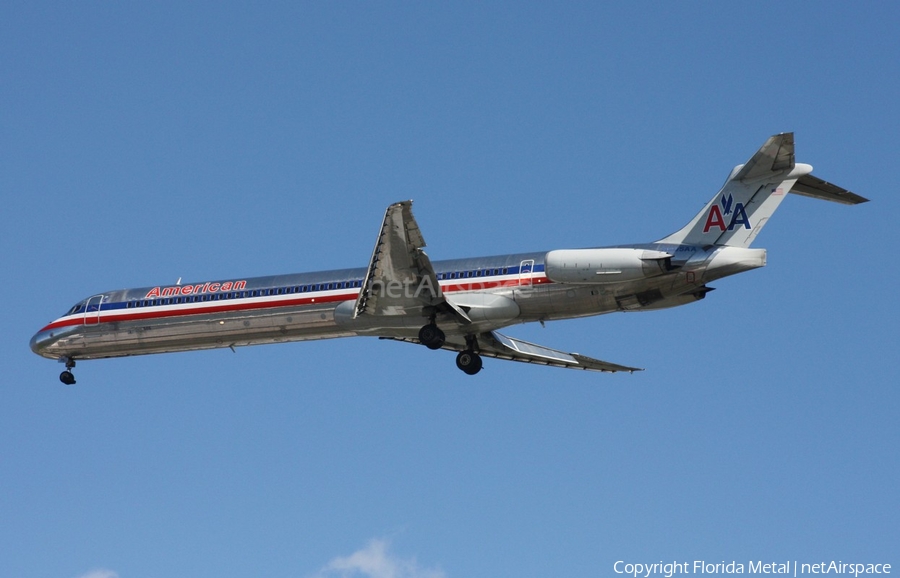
{"points": [[715, 219]]}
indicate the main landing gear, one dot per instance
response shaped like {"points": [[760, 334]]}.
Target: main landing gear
{"points": [[431, 336], [66, 377], [468, 361]]}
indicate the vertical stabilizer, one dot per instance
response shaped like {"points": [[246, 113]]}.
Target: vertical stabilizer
{"points": [[751, 194]]}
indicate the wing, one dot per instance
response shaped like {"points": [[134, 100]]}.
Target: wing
{"points": [[499, 346], [400, 279]]}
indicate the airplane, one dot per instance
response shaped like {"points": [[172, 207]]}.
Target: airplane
{"points": [[457, 305]]}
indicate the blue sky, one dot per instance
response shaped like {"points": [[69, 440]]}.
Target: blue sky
{"points": [[143, 143]]}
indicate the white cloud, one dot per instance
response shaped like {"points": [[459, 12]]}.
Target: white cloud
{"points": [[374, 561], [100, 573]]}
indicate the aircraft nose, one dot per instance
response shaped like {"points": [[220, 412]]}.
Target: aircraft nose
{"points": [[41, 341]]}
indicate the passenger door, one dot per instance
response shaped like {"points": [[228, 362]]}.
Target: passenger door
{"points": [[92, 310]]}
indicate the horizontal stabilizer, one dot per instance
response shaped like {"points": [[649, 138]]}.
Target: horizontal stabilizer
{"points": [[776, 155], [752, 193], [810, 186]]}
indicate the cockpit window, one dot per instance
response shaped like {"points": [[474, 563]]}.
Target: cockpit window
{"points": [[75, 308]]}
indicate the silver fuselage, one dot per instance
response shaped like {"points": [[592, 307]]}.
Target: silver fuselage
{"points": [[297, 307]]}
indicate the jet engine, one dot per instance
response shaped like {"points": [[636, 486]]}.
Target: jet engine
{"points": [[594, 266]]}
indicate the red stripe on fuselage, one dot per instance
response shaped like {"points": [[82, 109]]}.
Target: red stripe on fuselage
{"points": [[234, 305]]}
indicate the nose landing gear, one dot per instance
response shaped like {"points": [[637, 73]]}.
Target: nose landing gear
{"points": [[66, 377]]}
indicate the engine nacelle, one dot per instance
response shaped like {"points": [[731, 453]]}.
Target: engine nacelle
{"points": [[593, 266]]}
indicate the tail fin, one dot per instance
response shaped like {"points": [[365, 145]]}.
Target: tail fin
{"points": [[752, 192]]}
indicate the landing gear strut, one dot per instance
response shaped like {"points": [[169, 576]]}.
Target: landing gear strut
{"points": [[431, 336], [66, 377], [469, 361]]}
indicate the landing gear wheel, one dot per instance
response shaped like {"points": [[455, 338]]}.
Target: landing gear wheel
{"points": [[66, 376], [431, 336], [469, 362]]}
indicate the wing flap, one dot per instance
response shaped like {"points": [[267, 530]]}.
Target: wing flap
{"points": [[499, 346], [519, 350]]}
